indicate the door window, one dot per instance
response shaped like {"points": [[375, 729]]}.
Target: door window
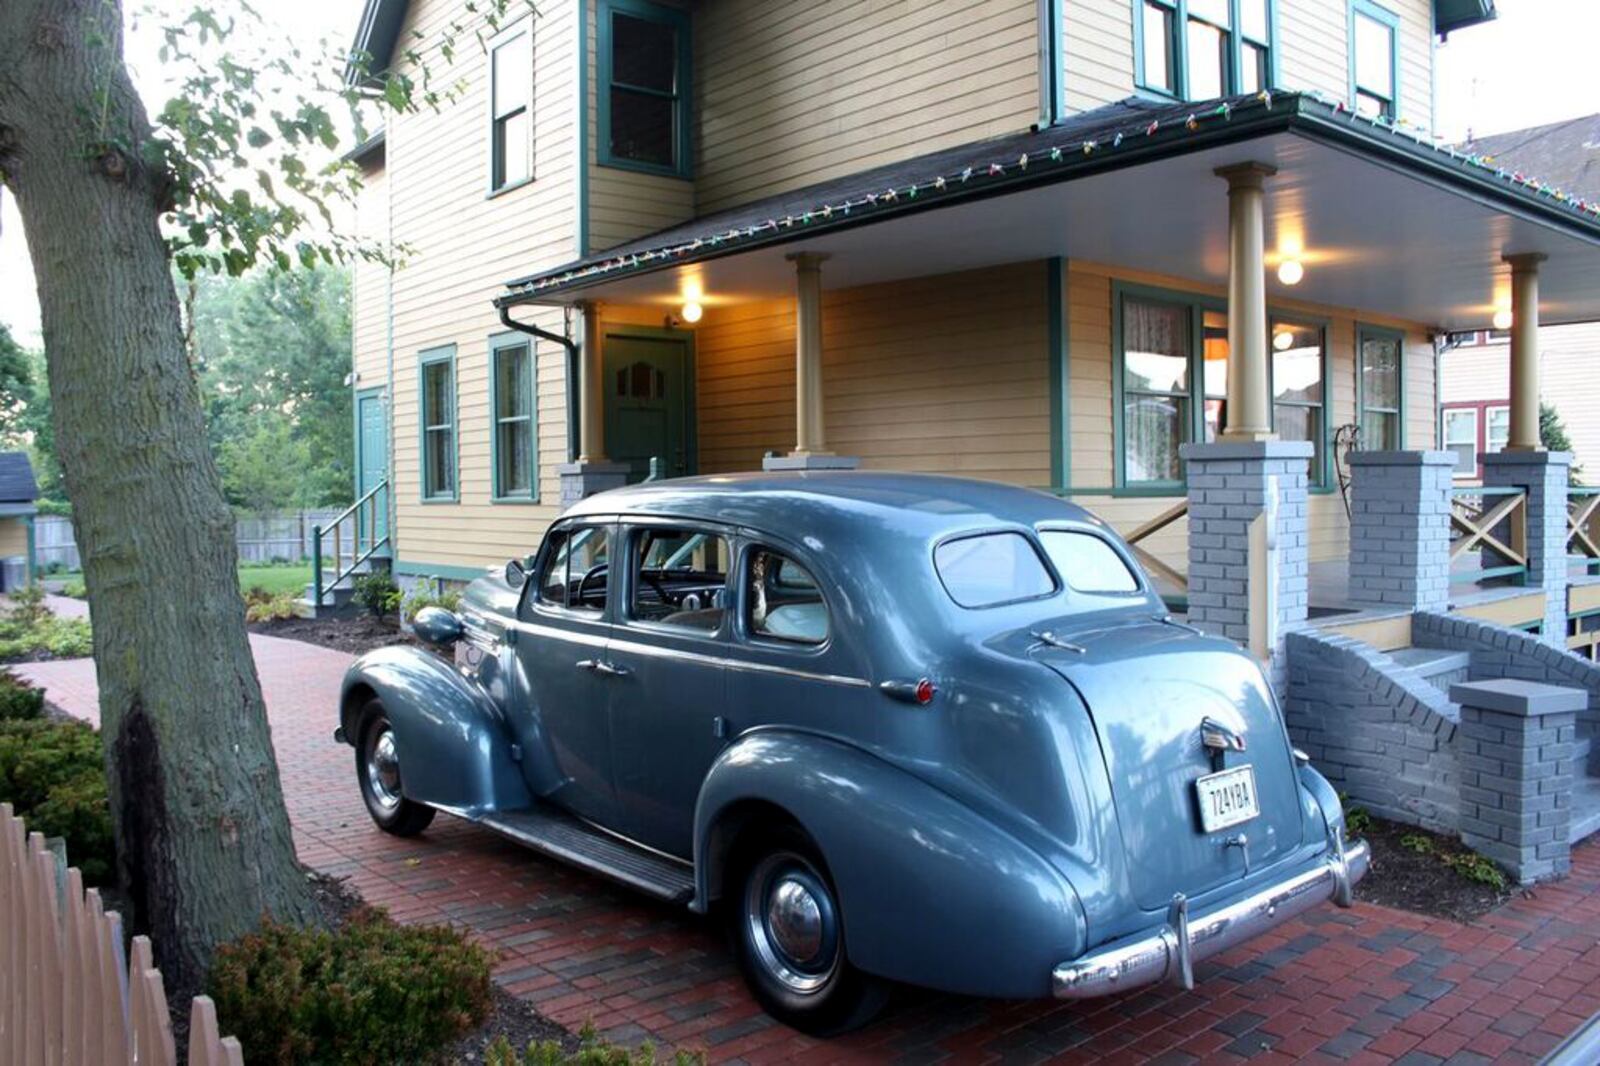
{"points": [[784, 602], [575, 567], [680, 578]]}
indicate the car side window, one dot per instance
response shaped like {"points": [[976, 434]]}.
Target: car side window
{"points": [[576, 567], [680, 578], [784, 602]]}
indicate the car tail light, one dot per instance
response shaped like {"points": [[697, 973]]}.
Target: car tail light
{"points": [[921, 691]]}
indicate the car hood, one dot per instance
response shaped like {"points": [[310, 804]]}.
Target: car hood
{"points": [[1148, 686]]}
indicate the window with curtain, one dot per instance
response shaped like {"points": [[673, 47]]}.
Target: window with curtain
{"points": [[1459, 433], [1203, 49], [1157, 348], [439, 425], [1214, 369], [510, 108], [515, 466], [1299, 393], [644, 86], [1379, 375], [1374, 59]]}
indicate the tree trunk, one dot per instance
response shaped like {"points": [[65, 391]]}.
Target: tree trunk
{"points": [[202, 835]]}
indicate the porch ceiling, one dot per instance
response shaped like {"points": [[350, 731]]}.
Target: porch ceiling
{"points": [[1378, 231]]}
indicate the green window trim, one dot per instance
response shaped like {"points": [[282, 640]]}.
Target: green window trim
{"points": [[501, 345], [432, 426], [1178, 17], [1364, 331], [1390, 103], [681, 95], [1320, 477], [514, 43]]}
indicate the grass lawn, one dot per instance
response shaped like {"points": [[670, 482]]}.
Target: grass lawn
{"points": [[275, 579]]}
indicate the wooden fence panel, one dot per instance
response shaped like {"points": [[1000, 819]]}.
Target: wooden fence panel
{"points": [[262, 538], [70, 995]]}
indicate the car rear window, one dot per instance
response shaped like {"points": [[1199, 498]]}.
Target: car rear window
{"points": [[1087, 563], [991, 569]]}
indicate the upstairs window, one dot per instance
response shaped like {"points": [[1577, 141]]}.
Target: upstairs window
{"points": [[510, 108], [644, 86], [1374, 59], [1379, 377], [438, 414], [1203, 49]]}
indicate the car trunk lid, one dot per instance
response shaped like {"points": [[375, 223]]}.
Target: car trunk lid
{"points": [[1149, 687]]}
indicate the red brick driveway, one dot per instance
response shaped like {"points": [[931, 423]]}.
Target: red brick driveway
{"points": [[1363, 985]]}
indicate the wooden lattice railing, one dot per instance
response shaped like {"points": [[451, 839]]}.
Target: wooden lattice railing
{"points": [[1583, 524], [71, 994], [1493, 520]]}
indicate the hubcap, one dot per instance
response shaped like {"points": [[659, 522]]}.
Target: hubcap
{"points": [[792, 923], [383, 769]]}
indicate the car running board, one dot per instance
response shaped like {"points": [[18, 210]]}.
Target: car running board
{"points": [[575, 842]]}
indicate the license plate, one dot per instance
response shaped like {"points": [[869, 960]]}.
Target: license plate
{"points": [[1227, 798]]}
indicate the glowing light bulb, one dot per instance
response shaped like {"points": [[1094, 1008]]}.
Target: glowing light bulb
{"points": [[1290, 271], [1502, 319], [1283, 340], [692, 312]]}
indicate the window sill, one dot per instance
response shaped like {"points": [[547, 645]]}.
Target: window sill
{"points": [[512, 187], [645, 168], [514, 499], [453, 498]]}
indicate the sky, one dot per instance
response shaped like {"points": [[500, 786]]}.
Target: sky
{"points": [[1533, 65]]}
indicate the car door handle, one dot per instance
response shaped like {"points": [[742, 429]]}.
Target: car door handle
{"points": [[587, 664], [611, 669]]}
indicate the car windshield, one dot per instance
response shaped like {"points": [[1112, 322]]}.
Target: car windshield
{"points": [[992, 568]]}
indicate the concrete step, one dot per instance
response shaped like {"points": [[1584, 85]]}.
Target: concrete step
{"points": [[1440, 667], [1585, 807]]}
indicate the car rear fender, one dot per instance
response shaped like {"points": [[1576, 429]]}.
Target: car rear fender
{"points": [[932, 892], [455, 752]]}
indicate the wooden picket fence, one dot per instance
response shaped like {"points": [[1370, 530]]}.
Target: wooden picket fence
{"points": [[70, 994]]}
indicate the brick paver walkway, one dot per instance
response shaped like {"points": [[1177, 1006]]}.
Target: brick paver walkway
{"points": [[1363, 985]]}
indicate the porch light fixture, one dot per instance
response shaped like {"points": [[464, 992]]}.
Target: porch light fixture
{"points": [[1283, 340], [1502, 319], [692, 312], [1290, 271]]}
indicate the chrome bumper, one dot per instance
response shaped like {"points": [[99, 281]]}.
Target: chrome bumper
{"points": [[1169, 954]]}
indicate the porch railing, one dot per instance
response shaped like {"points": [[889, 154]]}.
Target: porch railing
{"points": [[363, 527], [1494, 520], [1583, 525]]}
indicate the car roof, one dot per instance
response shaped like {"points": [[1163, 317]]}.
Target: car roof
{"points": [[837, 501]]}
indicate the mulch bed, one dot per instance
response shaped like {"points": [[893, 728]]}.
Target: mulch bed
{"points": [[355, 634], [1411, 881]]}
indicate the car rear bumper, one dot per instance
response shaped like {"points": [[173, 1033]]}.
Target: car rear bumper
{"points": [[1170, 952]]}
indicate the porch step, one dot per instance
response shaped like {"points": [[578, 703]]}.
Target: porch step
{"points": [[577, 843], [1440, 667], [1585, 807]]}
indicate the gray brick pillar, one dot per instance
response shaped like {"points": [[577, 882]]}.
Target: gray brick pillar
{"points": [[1400, 529], [1229, 486], [1515, 747], [1543, 476], [579, 480]]}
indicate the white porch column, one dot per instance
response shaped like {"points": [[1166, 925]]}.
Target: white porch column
{"points": [[810, 447], [1524, 435], [593, 472], [1249, 413]]}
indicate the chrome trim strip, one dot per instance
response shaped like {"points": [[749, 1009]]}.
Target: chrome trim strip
{"points": [[723, 661], [1170, 952]]}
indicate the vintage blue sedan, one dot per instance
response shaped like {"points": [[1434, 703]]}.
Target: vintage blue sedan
{"points": [[893, 727]]}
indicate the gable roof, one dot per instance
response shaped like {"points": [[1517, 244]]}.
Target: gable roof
{"points": [[376, 36], [1565, 154], [16, 479]]}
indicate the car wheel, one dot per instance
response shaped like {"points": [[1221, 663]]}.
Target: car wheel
{"points": [[788, 933], [378, 771]]}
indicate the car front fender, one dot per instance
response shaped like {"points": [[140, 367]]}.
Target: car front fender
{"points": [[455, 752], [932, 892]]}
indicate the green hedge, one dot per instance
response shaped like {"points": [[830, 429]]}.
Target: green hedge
{"points": [[53, 774], [19, 701]]}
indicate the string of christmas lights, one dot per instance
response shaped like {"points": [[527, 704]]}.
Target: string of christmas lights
{"points": [[940, 183]]}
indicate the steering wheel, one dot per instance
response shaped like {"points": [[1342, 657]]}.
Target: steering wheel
{"points": [[583, 582]]}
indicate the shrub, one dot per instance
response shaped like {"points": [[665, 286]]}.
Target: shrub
{"points": [[27, 634], [1475, 867], [19, 701], [371, 992], [450, 599], [378, 593], [53, 773], [592, 1051], [270, 608], [76, 589]]}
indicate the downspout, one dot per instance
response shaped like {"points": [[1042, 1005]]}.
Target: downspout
{"points": [[1052, 75], [572, 370]]}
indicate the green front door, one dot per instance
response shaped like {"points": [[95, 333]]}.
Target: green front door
{"points": [[647, 403], [372, 464]]}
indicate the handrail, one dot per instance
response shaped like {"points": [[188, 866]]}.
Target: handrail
{"points": [[370, 500], [1481, 527]]}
